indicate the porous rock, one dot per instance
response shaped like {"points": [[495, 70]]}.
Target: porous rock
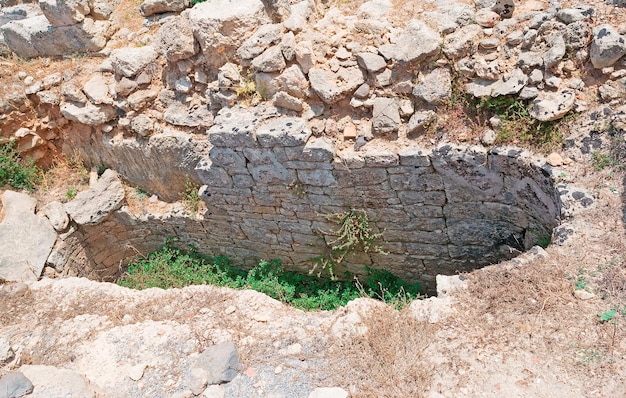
{"points": [[552, 106], [97, 202], [26, 239], [607, 46], [221, 362]]}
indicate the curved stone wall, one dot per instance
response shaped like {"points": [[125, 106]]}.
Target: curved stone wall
{"points": [[268, 186]]}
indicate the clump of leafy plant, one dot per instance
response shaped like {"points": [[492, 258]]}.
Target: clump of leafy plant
{"points": [[191, 197], [172, 267], [354, 233], [15, 171]]}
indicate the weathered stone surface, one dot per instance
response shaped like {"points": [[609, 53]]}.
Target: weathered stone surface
{"points": [[220, 26], [15, 385], [151, 7], [332, 87], [221, 361], [88, 114], [458, 44], [434, 87], [271, 60], [415, 44], [97, 202], [607, 46], [57, 215], [140, 99], [130, 61], [555, 53], [305, 55], [283, 131], [552, 106], [504, 8], [264, 37], [298, 16], [286, 101], [420, 120], [35, 37], [385, 116], [579, 13], [487, 18], [293, 81], [195, 115], [97, 90], [56, 382], [175, 39], [509, 84], [25, 238], [64, 12], [142, 125], [316, 178], [371, 62]]}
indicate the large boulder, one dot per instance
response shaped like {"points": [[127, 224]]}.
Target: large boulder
{"points": [[64, 12], [26, 238], [36, 37], [220, 26]]}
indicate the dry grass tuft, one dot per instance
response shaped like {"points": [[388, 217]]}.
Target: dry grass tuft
{"points": [[388, 360]]}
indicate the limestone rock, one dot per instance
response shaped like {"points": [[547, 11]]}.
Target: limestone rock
{"points": [[284, 100], [555, 53], [6, 352], [293, 82], [192, 115], [55, 382], [420, 120], [26, 239], [385, 115], [332, 87], [271, 60], [575, 14], [220, 26], [607, 46], [97, 90], [283, 131], [175, 40], [57, 215], [509, 84], [504, 8], [89, 114], [221, 361], [130, 61], [142, 125], [151, 7], [297, 19], [458, 44], [264, 37], [64, 12], [97, 202], [415, 44], [35, 37], [288, 46], [434, 87], [15, 385], [552, 106], [371, 62], [305, 55], [487, 18]]}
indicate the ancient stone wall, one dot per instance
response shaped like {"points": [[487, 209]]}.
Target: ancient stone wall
{"points": [[269, 187]]}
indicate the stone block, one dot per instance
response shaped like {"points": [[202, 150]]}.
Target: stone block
{"points": [[283, 131], [318, 178], [414, 156]]}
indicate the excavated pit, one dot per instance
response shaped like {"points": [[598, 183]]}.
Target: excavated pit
{"points": [[441, 211]]}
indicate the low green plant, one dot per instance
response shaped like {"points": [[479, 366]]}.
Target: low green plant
{"points": [[191, 197], [15, 171], [354, 233], [71, 193], [602, 161], [247, 86], [608, 316], [171, 267]]}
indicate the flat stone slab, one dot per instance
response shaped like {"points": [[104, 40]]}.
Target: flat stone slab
{"points": [[96, 203], [26, 239]]}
